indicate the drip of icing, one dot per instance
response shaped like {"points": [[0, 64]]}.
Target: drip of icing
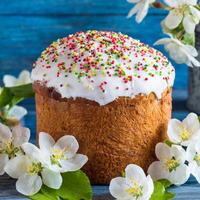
{"points": [[102, 66]]}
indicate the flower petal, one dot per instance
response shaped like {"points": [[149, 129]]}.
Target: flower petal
{"points": [[51, 179], [9, 81], [69, 143], [117, 188], [191, 122], [178, 153], [74, 163], [195, 14], [148, 188], [172, 3], [33, 152], [173, 19], [157, 170], [191, 2], [142, 12], [180, 175], [24, 78], [192, 61], [17, 166], [188, 24], [133, 11], [21, 135], [5, 133], [191, 50], [135, 172], [133, 1], [192, 149], [163, 151], [3, 161], [176, 52], [29, 185], [195, 171], [162, 41], [173, 131], [46, 142], [17, 112]]}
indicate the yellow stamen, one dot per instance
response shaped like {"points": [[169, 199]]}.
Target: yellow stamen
{"points": [[197, 159], [184, 134], [181, 9], [10, 149], [57, 155], [135, 190], [172, 164], [34, 168]]}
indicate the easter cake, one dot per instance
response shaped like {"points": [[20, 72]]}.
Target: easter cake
{"points": [[112, 92]]}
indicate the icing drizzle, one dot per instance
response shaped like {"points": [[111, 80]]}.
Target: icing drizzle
{"points": [[102, 66]]}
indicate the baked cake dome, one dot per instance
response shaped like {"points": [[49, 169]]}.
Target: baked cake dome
{"points": [[112, 92]]}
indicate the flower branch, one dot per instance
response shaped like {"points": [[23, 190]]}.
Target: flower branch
{"points": [[179, 25], [14, 91]]}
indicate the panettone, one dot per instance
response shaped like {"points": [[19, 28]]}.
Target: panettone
{"points": [[113, 93]]}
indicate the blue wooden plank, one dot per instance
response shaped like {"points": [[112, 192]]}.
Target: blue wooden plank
{"points": [[66, 7], [32, 34], [23, 38]]}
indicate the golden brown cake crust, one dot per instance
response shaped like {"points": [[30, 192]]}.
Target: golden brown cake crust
{"points": [[122, 132]]}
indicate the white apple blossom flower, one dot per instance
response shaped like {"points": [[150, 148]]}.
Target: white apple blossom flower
{"points": [[171, 164], [62, 155], [134, 186], [10, 143], [140, 9], [193, 157], [12, 116], [16, 113], [184, 132], [31, 172], [44, 165], [181, 53], [183, 11], [23, 79]]}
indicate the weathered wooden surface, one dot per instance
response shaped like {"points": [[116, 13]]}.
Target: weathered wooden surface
{"points": [[28, 26], [189, 191]]}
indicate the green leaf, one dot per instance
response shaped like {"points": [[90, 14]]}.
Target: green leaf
{"points": [[52, 194], [13, 95], [160, 192], [166, 183], [24, 91], [41, 196], [168, 142], [76, 186], [15, 101], [6, 97], [189, 39], [45, 194]]}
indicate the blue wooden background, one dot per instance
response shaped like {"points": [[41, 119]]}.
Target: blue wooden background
{"points": [[28, 26]]}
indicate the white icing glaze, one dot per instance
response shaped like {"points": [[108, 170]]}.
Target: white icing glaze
{"points": [[102, 66]]}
